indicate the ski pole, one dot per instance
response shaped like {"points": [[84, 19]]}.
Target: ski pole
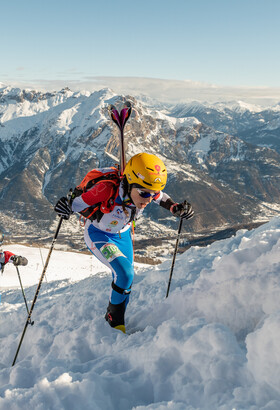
{"points": [[23, 294], [28, 320], [43, 263], [174, 255]]}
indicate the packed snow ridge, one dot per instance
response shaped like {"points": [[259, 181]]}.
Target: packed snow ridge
{"points": [[212, 344]]}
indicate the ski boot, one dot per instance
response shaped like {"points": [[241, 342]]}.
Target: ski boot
{"points": [[115, 316]]}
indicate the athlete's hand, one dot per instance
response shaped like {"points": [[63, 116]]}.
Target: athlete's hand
{"points": [[183, 210], [62, 208], [19, 260]]}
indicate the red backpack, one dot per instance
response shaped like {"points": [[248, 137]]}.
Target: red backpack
{"points": [[94, 177]]}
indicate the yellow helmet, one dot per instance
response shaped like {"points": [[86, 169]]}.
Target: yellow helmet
{"points": [[146, 170]]}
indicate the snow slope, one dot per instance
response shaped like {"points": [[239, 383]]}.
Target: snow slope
{"points": [[213, 344]]}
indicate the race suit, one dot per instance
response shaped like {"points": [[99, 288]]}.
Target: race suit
{"points": [[110, 238]]}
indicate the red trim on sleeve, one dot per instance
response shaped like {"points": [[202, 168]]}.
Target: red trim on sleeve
{"points": [[172, 206], [8, 254]]}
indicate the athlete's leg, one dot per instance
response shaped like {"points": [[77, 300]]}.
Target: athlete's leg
{"points": [[117, 254]]}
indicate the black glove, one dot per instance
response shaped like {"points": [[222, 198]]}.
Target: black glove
{"points": [[62, 208], [19, 260], [183, 210]]}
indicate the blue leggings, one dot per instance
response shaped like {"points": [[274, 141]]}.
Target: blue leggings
{"points": [[115, 252]]}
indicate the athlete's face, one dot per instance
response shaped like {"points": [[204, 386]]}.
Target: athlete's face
{"points": [[142, 197]]}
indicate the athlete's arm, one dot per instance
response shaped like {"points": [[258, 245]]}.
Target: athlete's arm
{"points": [[98, 193], [164, 200]]}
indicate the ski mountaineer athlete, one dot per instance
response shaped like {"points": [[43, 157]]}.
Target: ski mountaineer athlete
{"points": [[109, 238], [7, 256]]}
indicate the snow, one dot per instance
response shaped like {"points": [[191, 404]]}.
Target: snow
{"points": [[176, 123], [61, 111], [212, 344], [238, 106]]}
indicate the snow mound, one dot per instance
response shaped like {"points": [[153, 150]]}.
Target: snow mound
{"points": [[213, 344]]}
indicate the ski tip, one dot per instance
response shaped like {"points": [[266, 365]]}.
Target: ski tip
{"points": [[124, 115], [120, 118]]}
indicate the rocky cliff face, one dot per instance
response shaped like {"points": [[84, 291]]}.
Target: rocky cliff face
{"points": [[50, 141], [254, 124]]}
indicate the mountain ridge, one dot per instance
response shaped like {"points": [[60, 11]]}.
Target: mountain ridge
{"points": [[49, 141]]}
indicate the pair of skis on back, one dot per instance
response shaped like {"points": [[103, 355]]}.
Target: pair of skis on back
{"points": [[120, 119]]}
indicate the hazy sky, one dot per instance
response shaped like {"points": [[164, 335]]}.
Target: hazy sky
{"points": [[220, 42]]}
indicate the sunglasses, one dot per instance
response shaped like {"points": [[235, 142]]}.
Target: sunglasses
{"points": [[145, 194]]}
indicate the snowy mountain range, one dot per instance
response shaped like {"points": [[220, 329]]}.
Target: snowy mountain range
{"points": [[252, 123], [223, 158]]}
